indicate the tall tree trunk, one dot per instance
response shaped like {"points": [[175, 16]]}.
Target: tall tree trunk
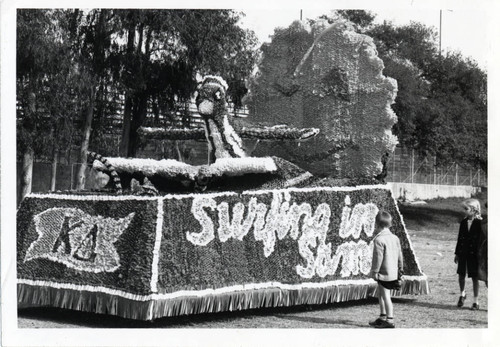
{"points": [[27, 172], [80, 179], [127, 118], [140, 100], [156, 110], [53, 173], [55, 159], [69, 151], [127, 113], [29, 153], [138, 117]]}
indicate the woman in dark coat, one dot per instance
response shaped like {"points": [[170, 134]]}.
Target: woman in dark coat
{"points": [[466, 251], [482, 252]]}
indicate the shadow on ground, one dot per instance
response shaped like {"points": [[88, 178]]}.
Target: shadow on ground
{"points": [[92, 320], [318, 320], [416, 303]]}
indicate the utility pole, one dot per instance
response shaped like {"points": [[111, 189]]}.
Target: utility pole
{"points": [[440, 29], [412, 166], [300, 14]]}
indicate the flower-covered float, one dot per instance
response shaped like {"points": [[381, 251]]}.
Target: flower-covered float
{"points": [[165, 238]]}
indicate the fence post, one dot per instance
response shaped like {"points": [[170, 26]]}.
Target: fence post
{"points": [[456, 174], [394, 165], [412, 167], [435, 173], [399, 163], [71, 179]]}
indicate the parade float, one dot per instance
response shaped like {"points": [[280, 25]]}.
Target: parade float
{"points": [[165, 238]]}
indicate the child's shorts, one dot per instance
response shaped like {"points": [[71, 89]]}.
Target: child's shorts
{"points": [[393, 285]]}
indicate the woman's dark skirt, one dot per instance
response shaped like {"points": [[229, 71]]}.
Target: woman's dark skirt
{"points": [[467, 265]]}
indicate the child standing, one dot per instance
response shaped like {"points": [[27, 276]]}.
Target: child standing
{"points": [[387, 265], [466, 251]]}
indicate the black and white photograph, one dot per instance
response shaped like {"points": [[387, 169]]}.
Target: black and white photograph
{"points": [[230, 174]]}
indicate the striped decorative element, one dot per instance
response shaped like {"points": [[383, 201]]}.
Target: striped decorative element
{"points": [[195, 253], [92, 156]]}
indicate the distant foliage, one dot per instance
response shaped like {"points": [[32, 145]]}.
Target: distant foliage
{"points": [[47, 85]]}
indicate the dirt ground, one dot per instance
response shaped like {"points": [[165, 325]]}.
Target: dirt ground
{"points": [[436, 310], [433, 242]]}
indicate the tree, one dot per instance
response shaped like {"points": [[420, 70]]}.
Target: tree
{"points": [[217, 45], [407, 51], [361, 19], [62, 77], [166, 49], [38, 60], [460, 86], [90, 36]]}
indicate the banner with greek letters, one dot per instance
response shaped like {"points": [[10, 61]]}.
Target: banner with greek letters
{"points": [[87, 241]]}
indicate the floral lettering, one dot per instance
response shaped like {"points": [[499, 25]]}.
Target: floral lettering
{"points": [[314, 227], [300, 222], [278, 221], [361, 217], [356, 258], [207, 233], [236, 228]]}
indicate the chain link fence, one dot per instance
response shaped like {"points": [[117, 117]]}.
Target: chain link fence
{"points": [[66, 175], [405, 166]]}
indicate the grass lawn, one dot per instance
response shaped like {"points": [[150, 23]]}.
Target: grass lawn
{"points": [[433, 228]]}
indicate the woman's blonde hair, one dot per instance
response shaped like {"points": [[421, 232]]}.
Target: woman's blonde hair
{"points": [[474, 205]]}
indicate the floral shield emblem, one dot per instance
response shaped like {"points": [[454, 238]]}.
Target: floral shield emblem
{"points": [[77, 239]]}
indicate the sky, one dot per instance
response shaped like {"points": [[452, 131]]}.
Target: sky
{"points": [[462, 29]]}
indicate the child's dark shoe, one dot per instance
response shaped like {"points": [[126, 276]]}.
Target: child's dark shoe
{"points": [[385, 325], [376, 322], [461, 300], [474, 307]]}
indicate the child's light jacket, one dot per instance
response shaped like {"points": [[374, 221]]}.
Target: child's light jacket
{"points": [[387, 256]]}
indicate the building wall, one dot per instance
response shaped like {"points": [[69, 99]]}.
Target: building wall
{"points": [[416, 191]]}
